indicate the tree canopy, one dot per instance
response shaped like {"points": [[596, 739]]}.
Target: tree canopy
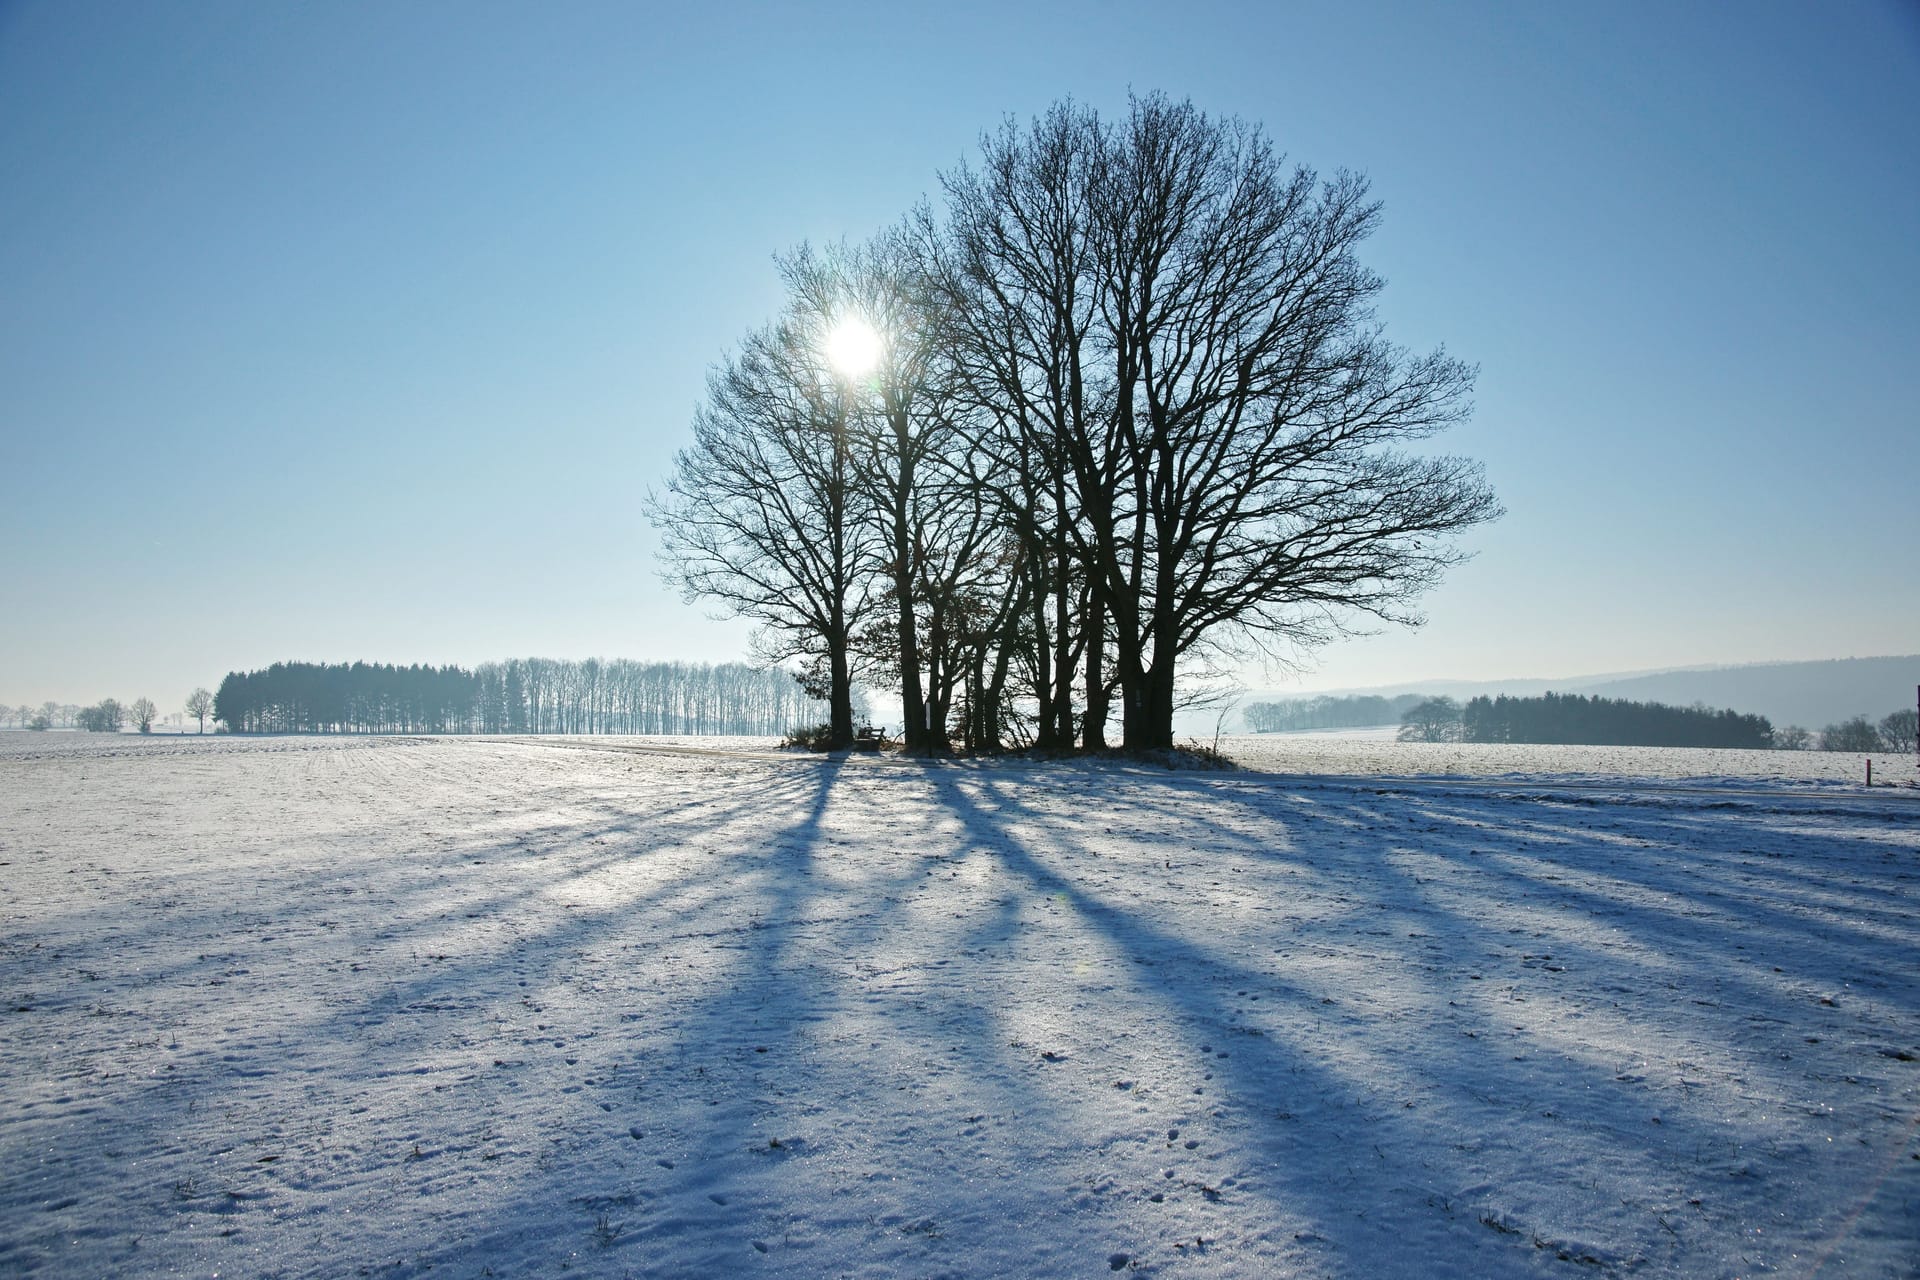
{"points": [[1132, 410]]}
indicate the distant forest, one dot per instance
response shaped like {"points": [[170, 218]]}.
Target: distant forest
{"points": [[524, 695], [1575, 719], [1359, 712]]}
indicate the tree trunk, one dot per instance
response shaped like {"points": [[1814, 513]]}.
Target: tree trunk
{"points": [[1042, 676], [840, 695], [1094, 725], [1063, 649], [912, 700], [1133, 691]]}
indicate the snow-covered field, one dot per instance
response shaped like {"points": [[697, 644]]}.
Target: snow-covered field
{"points": [[1375, 751], [308, 1007]]}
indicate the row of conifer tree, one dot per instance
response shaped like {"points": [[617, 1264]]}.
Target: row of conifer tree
{"points": [[1576, 719], [522, 695]]}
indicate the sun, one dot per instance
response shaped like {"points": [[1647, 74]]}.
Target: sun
{"points": [[854, 349]]}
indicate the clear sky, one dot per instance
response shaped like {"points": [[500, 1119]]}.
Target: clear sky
{"points": [[359, 331]]}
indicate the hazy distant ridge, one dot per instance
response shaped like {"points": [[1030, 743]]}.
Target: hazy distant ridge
{"points": [[1811, 694]]}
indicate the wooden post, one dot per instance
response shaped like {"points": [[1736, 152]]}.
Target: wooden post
{"points": [[1869, 770]]}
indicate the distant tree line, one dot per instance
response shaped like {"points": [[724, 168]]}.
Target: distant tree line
{"points": [[1576, 719], [531, 695], [1359, 711], [48, 715], [108, 715], [1119, 406], [1894, 733]]}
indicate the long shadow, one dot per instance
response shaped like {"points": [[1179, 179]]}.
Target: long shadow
{"points": [[1563, 1084], [1268, 1080], [1693, 927], [774, 971], [461, 985], [1717, 893]]}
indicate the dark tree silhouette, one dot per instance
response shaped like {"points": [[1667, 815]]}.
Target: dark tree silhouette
{"points": [[1609, 722], [1175, 335], [105, 716], [533, 695], [909, 462], [763, 512], [1856, 734], [1136, 413], [1434, 720], [1897, 731], [1012, 265]]}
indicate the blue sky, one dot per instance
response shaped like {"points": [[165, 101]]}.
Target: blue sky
{"points": [[359, 331]]}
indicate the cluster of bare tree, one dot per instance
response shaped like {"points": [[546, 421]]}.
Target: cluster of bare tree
{"points": [[108, 715], [1128, 408], [1894, 733], [104, 716], [48, 715], [547, 695], [532, 695], [1355, 711]]}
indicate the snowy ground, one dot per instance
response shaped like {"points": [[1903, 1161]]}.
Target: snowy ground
{"points": [[1375, 751], [301, 1007]]}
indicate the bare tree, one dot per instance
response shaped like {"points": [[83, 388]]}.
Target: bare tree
{"points": [[762, 513], [1013, 267], [104, 716], [1177, 338], [1134, 413], [199, 705], [142, 712], [907, 450], [1259, 409], [1897, 730], [1857, 734], [1791, 738], [1434, 720]]}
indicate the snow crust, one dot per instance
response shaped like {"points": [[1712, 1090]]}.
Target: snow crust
{"points": [[322, 1007]]}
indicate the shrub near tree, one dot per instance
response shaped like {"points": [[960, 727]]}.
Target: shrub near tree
{"points": [[104, 716]]}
